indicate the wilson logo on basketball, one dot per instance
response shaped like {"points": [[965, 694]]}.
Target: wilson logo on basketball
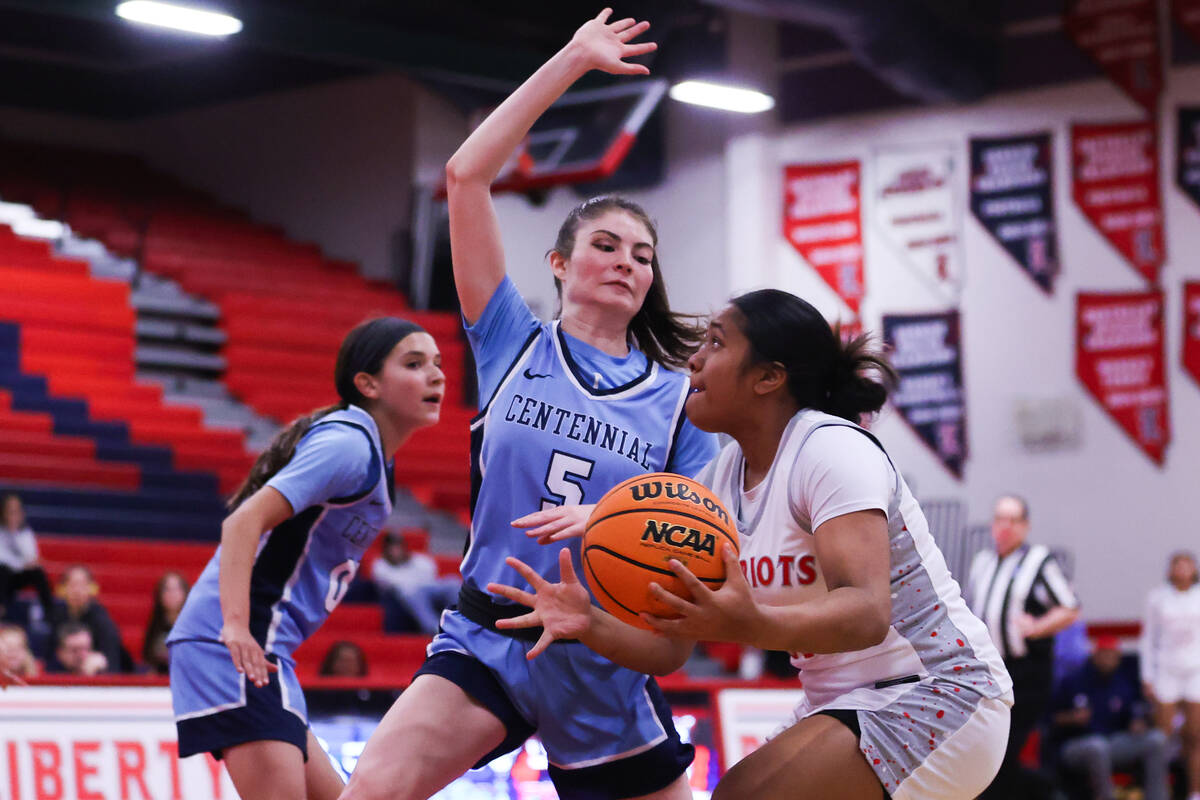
{"points": [[649, 490], [680, 536]]}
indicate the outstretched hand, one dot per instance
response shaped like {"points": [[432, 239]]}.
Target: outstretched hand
{"points": [[562, 609], [9, 678], [728, 614], [604, 45], [555, 524]]}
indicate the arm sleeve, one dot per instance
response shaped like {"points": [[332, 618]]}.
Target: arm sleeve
{"points": [[1057, 586], [27, 547], [839, 471], [497, 336], [331, 461], [1148, 644], [694, 450]]}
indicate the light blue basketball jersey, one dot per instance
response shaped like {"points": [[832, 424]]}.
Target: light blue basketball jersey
{"points": [[339, 485], [547, 437]]}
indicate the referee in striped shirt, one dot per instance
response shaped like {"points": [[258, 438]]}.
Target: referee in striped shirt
{"points": [[1021, 594]]}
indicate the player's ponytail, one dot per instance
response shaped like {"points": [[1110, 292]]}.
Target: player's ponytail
{"points": [[852, 391], [363, 350], [845, 378]]}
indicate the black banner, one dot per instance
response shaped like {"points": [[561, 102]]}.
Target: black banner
{"points": [[1187, 153], [926, 349], [1012, 196]]}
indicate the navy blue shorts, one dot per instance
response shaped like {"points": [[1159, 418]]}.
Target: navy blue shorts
{"points": [[216, 707], [608, 731]]}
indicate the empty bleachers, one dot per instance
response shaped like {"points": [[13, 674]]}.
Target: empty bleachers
{"points": [[284, 308]]}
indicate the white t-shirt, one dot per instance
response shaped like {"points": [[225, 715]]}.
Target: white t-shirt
{"points": [[842, 472], [419, 570], [825, 468], [1171, 632], [18, 549]]}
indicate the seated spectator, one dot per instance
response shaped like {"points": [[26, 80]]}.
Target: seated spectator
{"points": [[19, 558], [16, 659], [1100, 722], [79, 603], [344, 660], [73, 652], [412, 594], [169, 594]]}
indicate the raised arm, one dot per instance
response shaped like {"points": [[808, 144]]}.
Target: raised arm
{"points": [[475, 243]]}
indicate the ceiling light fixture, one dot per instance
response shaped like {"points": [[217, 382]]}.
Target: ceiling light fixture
{"points": [[180, 18], [726, 98]]}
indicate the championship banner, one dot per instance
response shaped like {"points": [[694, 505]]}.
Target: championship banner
{"points": [[1187, 153], [926, 349], [1119, 358], [1115, 185], [1187, 16], [916, 210], [99, 744], [1012, 196], [1122, 37], [822, 219], [1191, 329]]}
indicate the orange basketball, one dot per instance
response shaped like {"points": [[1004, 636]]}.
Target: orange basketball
{"points": [[640, 525]]}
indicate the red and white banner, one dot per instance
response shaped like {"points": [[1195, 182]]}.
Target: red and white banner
{"points": [[822, 218], [1122, 37], [72, 743], [916, 209], [1119, 358], [1115, 184], [1191, 329], [1187, 16]]}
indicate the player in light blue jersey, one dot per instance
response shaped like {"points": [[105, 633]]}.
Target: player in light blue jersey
{"points": [[311, 505], [568, 409]]}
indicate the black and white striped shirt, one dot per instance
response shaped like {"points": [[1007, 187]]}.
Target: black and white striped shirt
{"points": [[1028, 580]]}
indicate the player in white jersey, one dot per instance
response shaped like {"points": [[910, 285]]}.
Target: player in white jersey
{"points": [[311, 505], [1170, 658], [905, 695]]}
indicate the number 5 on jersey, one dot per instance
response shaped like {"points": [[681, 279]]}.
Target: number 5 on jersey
{"points": [[564, 476]]}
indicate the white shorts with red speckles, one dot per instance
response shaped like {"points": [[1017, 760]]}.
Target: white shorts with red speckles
{"points": [[930, 740]]}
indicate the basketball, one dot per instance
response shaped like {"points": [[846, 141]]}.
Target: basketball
{"points": [[640, 525]]}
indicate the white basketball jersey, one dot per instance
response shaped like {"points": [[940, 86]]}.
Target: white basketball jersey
{"points": [[932, 632]]}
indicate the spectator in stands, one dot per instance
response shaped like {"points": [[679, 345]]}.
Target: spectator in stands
{"points": [[1021, 594], [169, 594], [412, 594], [79, 591], [1170, 658], [1100, 722], [344, 660], [19, 557], [74, 653], [16, 659]]}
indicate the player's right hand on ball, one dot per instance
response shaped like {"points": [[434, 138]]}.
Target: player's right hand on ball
{"points": [[248, 657], [564, 610], [604, 45]]}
